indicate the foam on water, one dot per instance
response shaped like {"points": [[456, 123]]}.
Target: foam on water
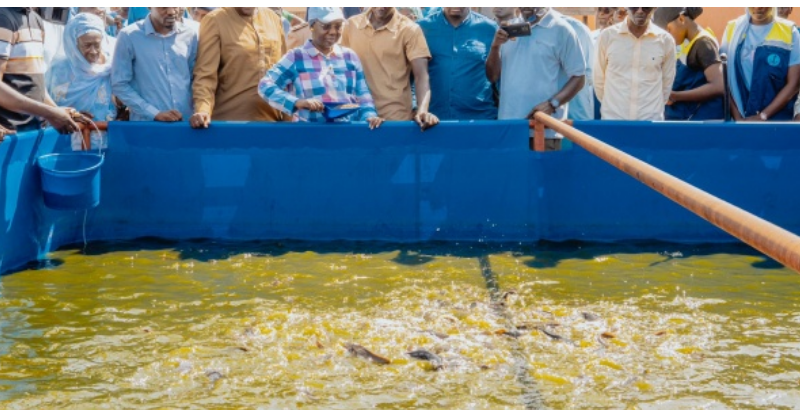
{"points": [[175, 324]]}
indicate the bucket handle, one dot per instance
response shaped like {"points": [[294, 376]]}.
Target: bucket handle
{"points": [[84, 141]]}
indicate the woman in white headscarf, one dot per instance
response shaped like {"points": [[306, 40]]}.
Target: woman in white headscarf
{"points": [[81, 78], [763, 65]]}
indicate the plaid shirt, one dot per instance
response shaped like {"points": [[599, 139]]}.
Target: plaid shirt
{"points": [[305, 73]]}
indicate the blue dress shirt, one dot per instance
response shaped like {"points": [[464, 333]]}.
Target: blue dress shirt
{"points": [[459, 87], [153, 72]]}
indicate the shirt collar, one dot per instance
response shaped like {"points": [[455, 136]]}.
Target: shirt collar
{"points": [[624, 29], [309, 48], [447, 22], [149, 29], [393, 25], [546, 21]]}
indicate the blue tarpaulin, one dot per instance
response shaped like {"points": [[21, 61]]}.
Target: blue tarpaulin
{"points": [[461, 181]]}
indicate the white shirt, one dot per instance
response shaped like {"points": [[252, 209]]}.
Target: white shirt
{"points": [[797, 107], [53, 39], [633, 76]]}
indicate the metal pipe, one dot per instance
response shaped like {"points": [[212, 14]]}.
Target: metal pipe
{"points": [[86, 131], [772, 240], [726, 102]]}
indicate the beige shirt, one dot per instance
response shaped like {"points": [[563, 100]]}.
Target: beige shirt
{"points": [[232, 56], [386, 54], [633, 76]]}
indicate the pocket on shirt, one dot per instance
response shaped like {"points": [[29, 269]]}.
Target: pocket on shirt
{"points": [[652, 60]]}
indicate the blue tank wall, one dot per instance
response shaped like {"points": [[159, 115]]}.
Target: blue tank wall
{"points": [[460, 181]]}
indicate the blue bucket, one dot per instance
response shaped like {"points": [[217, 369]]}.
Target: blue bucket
{"points": [[71, 181]]}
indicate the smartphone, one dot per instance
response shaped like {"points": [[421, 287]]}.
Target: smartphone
{"points": [[517, 30]]}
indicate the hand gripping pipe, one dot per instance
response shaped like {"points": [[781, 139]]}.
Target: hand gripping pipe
{"points": [[772, 240]]}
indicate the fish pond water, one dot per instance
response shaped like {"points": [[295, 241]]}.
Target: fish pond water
{"points": [[208, 324]]}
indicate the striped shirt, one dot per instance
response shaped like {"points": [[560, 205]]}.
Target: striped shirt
{"points": [[337, 78], [22, 51]]}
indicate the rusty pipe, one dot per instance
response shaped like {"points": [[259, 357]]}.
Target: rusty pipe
{"points": [[770, 239], [86, 132]]}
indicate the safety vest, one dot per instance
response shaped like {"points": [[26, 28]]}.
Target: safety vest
{"points": [[686, 79], [770, 69]]}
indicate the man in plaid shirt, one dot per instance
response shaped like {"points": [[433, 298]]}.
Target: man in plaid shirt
{"points": [[320, 72]]}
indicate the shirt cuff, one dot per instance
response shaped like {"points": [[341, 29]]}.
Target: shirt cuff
{"points": [[152, 112], [202, 106], [290, 102]]}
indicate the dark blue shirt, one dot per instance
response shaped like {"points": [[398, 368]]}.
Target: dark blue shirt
{"points": [[459, 87]]}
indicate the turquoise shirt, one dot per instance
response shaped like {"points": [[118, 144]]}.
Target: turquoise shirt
{"points": [[459, 87]]}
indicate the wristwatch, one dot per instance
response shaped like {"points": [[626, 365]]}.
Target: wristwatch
{"points": [[555, 103], [763, 116]]}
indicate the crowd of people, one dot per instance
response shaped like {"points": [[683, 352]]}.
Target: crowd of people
{"points": [[207, 64]]}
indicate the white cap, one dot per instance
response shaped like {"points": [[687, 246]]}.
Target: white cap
{"points": [[324, 15]]}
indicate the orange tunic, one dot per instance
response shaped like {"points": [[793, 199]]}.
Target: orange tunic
{"points": [[233, 55]]}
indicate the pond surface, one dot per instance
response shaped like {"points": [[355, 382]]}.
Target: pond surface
{"points": [[205, 324]]}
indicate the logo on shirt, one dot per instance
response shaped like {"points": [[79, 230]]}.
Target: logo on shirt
{"points": [[773, 60]]}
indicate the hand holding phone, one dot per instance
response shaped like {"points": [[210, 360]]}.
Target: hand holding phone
{"points": [[517, 30]]}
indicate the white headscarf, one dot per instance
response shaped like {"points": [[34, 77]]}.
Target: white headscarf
{"points": [[74, 82]]}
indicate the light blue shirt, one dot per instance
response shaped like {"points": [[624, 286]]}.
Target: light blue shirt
{"points": [[532, 67], [581, 108], [153, 73]]}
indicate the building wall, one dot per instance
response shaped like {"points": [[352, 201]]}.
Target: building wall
{"points": [[715, 18]]}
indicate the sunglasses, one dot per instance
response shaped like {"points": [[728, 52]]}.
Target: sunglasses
{"points": [[644, 9], [605, 10]]}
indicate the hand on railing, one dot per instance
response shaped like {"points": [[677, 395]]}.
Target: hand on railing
{"points": [[4, 132]]}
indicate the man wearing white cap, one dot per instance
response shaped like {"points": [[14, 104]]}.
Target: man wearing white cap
{"points": [[237, 46], [320, 72]]}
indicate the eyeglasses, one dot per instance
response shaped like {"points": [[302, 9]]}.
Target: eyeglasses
{"points": [[644, 9]]}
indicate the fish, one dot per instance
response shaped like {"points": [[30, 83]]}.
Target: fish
{"points": [[510, 333], [590, 317], [507, 294], [214, 375], [600, 340], [423, 354], [554, 336], [361, 351]]}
